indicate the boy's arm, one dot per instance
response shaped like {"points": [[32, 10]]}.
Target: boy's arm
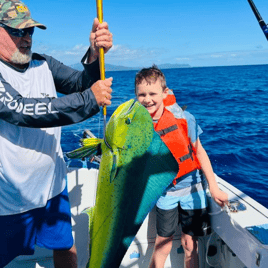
{"points": [[219, 196]]}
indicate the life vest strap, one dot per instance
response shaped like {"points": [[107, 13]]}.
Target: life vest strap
{"points": [[189, 155], [164, 131]]}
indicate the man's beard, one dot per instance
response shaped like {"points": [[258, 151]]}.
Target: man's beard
{"points": [[20, 58]]}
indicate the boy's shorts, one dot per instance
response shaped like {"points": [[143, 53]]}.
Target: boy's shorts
{"points": [[187, 207], [48, 227]]}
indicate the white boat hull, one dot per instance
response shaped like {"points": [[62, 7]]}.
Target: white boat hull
{"points": [[234, 246]]}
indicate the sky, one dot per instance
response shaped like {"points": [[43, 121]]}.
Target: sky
{"points": [[194, 32]]}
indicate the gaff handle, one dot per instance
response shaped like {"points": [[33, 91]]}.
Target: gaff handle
{"points": [[101, 50]]}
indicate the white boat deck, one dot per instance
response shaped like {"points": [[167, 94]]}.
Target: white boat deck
{"points": [[234, 232], [235, 246]]}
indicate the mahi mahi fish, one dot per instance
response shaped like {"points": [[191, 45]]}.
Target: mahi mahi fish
{"points": [[135, 169]]}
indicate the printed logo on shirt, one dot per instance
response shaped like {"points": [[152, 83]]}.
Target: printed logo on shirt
{"points": [[40, 108], [45, 95]]}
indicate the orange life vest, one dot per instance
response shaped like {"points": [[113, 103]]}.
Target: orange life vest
{"points": [[170, 99], [174, 133]]}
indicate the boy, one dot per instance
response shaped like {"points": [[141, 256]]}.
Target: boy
{"points": [[185, 199]]}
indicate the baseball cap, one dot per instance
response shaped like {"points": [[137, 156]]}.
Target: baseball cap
{"points": [[15, 14]]}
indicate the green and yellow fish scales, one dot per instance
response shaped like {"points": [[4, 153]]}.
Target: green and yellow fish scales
{"points": [[135, 169]]}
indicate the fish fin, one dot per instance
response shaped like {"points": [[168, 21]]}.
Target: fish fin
{"points": [[114, 167], [90, 212], [81, 153], [90, 147]]}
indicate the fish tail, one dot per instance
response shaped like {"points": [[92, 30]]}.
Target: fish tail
{"points": [[90, 148]]}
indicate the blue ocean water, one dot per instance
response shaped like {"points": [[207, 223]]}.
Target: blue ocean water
{"points": [[229, 103]]}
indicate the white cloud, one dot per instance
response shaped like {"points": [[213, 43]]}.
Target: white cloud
{"points": [[141, 56], [125, 53], [183, 59], [66, 55], [258, 56], [77, 50], [118, 54]]}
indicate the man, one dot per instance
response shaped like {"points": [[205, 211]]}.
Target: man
{"points": [[34, 205]]}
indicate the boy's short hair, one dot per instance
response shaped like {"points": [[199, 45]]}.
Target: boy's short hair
{"points": [[150, 75]]}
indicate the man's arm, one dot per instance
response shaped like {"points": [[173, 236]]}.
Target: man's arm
{"points": [[48, 112], [68, 80], [74, 108], [219, 196]]}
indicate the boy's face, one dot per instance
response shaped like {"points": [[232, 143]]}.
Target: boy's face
{"points": [[151, 97]]}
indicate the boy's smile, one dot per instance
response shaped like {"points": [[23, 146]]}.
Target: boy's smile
{"points": [[151, 97]]}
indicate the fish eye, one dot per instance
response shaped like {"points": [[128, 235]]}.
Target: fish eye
{"points": [[128, 121]]}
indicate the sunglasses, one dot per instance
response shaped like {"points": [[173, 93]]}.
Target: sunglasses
{"points": [[18, 32]]}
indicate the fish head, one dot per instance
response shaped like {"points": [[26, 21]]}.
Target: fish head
{"points": [[130, 121]]}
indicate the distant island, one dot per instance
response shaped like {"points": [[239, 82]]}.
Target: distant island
{"points": [[110, 67]]}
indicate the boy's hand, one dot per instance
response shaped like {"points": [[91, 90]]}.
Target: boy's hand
{"points": [[220, 197]]}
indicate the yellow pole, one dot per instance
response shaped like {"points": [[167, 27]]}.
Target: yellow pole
{"points": [[101, 56]]}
